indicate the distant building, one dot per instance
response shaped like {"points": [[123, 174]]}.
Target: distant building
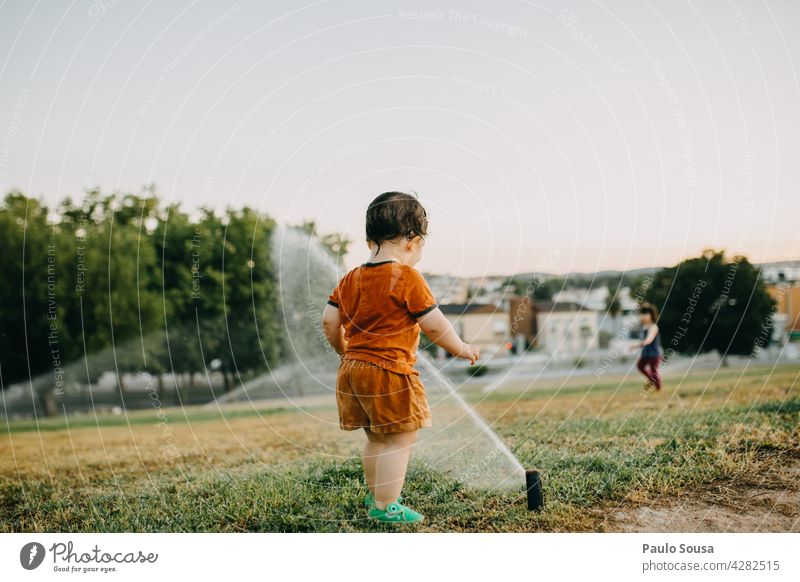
{"points": [[522, 320], [448, 289], [565, 329], [594, 298], [780, 272], [627, 303], [490, 290], [787, 311], [484, 325]]}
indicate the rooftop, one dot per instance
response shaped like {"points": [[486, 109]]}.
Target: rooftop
{"points": [[465, 308], [558, 306]]}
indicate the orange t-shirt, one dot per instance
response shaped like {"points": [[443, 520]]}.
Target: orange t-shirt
{"points": [[379, 304]]}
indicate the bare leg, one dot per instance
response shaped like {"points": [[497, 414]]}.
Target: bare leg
{"points": [[390, 470], [372, 450]]}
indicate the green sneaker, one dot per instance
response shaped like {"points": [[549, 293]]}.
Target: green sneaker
{"points": [[369, 500], [396, 513]]}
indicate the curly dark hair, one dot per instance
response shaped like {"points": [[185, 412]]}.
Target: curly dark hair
{"points": [[394, 214]]}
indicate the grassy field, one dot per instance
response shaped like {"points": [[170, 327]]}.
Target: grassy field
{"points": [[711, 443]]}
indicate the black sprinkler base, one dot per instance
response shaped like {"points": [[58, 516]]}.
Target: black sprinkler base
{"points": [[533, 486]]}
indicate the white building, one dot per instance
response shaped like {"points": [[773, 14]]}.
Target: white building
{"points": [[484, 325], [492, 290], [448, 289], [565, 329], [594, 298], [780, 272]]}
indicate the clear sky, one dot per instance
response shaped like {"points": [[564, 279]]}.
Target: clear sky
{"points": [[553, 136]]}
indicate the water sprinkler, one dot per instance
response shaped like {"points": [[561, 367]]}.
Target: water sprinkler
{"points": [[533, 487]]}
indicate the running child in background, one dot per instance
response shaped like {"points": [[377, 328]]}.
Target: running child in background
{"points": [[373, 320], [651, 353]]}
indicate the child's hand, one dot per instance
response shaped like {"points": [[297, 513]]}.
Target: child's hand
{"points": [[469, 352]]}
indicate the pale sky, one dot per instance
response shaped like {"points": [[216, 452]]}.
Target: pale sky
{"points": [[552, 136]]}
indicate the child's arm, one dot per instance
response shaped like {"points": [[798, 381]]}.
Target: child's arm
{"points": [[440, 331], [651, 335], [332, 326]]}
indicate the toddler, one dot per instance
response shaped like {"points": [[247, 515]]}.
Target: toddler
{"points": [[373, 320]]}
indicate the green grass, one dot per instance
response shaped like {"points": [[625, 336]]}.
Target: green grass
{"points": [[191, 415], [599, 450]]}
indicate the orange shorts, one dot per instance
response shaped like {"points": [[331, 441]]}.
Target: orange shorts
{"points": [[383, 401]]}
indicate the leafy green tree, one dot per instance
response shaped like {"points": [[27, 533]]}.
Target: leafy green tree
{"points": [[30, 340], [130, 286], [175, 345], [218, 293], [337, 244], [111, 262], [250, 294], [711, 303], [541, 288]]}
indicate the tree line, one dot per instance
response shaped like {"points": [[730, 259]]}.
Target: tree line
{"points": [[126, 283]]}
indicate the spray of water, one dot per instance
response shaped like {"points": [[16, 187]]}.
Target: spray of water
{"points": [[306, 273], [460, 444]]}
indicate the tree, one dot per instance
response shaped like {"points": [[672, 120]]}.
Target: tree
{"points": [[131, 286], [711, 303], [74, 279], [30, 340], [174, 346], [110, 300], [542, 289], [218, 293], [250, 293], [337, 244]]}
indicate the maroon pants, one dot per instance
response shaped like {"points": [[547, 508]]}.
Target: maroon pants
{"points": [[649, 367]]}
